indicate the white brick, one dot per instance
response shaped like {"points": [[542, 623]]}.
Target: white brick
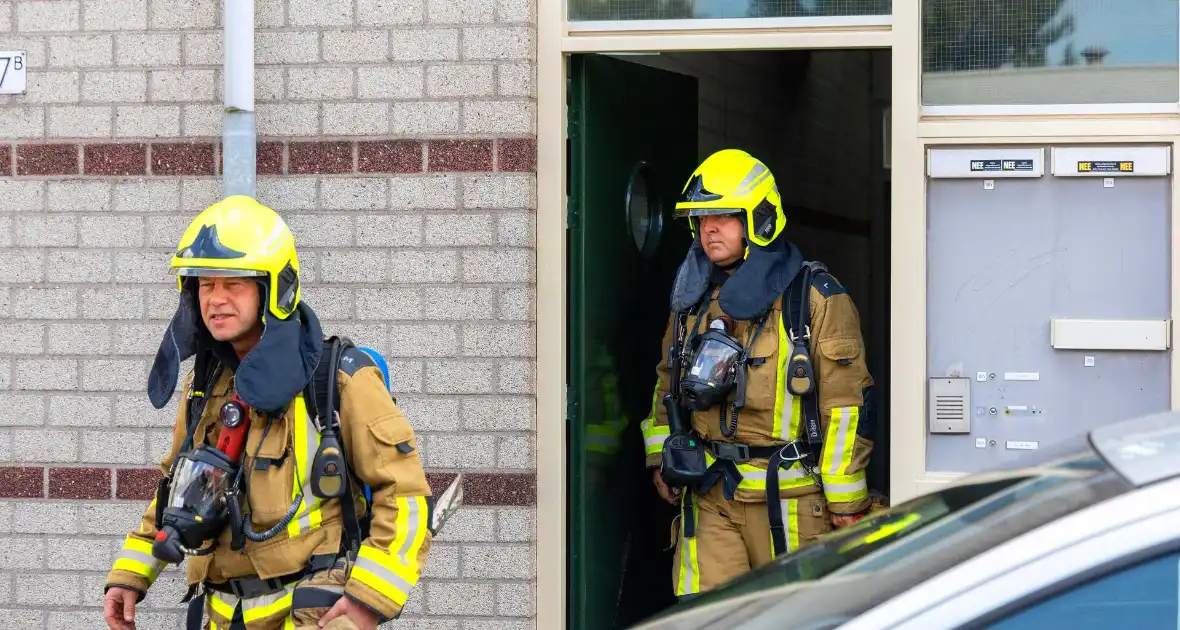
{"points": [[329, 303], [80, 554], [71, 266], [178, 14], [198, 193], [269, 13], [429, 414], [516, 377], [73, 410], [80, 122], [319, 12], [499, 340], [428, 117], [148, 49], [22, 122], [52, 87], [205, 49], [390, 82], [22, 195], [455, 303], [85, 339], [516, 599], [147, 196], [516, 452], [353, 193], [422, 191], [454, 230], [79, 196], [460, 80], [183, 85], [22, 266], [81, 51], [418, 340], [321, 230], [502, 413], [139, 339], [520, 11], [286, 47], [443, 562], [152, 121], [137, 411], [200, 120], [500, 190], [464, 450], [389, 304], [466, 12], [517, 229], [114, 447], [114, 86], [499, 265], [284, 193], [112, 303], [27, 410], [140, 267], [319, 83], [6, 22], [459, 377], [295, 119], [491, 117], [356, 46], [499, 42], [45, 303], [165, 231], [389, 12], [353, 266], [48, 15], [116, 231], [517, 79], [46, 231], [23, 339], [426, 45], [517, 524], [356, 119], [115, 15], [498, 561], [518, 303], [428, 266], [26, 552], [44, 518], [456, 598], [35, 49], [114, 375], [470, 524], [44, 445], [391, 230]]}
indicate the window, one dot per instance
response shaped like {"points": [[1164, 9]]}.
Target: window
{"points": [[1045, 52], [1144, 595], [580, 10]]}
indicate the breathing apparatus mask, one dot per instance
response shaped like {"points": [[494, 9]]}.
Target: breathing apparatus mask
{"points": [[715, 369], [202, 491]]}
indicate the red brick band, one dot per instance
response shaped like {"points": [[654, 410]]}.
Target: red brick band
{"points": [[275, 157], [91, 483]]}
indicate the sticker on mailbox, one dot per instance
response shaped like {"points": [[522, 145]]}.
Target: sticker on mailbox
{"points": [[1001, 165], [1106, 166]]}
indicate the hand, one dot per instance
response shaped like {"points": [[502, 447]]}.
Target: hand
{"points": [[671, 495], [844, 520], [359, 615], [118, 607]]}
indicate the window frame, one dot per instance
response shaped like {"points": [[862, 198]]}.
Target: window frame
{"points": [[1044, 109]]}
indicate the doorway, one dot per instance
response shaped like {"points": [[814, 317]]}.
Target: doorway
{"points": [[638, 126]]}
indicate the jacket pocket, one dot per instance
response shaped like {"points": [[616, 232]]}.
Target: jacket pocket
{"points": [[842, 354], [271, 476], [388, 434]]}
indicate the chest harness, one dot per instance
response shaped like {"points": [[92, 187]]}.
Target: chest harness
{"points": [[717, 368]]}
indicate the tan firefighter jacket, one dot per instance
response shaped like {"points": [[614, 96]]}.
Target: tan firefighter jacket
{"points": [[391, 559], [773, 416]]}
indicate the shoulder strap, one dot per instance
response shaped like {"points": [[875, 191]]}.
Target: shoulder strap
{"points": [[800, 378]]}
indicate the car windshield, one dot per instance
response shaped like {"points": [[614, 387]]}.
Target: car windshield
{"points": [[925, 534]]}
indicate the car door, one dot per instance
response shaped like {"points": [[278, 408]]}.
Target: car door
{"points": [[1111, 551]]}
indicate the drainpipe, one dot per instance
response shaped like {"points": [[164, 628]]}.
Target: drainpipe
{"points": [[238, 143]]}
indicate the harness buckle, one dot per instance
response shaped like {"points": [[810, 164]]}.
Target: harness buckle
{"points": [[731, 451], [246, 588], [795, 450]]}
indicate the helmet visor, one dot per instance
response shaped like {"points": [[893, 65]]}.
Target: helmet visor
{"points": [[218, 271], [685, 213], [197, 485]]}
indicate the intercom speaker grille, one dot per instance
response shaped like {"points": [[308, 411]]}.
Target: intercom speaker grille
{"points": [[949, 407]]}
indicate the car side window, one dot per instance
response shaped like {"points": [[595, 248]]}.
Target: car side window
{"points": [[1144, 595]]}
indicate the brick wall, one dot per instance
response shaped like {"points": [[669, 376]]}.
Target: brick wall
{"points": [[397, 138]]}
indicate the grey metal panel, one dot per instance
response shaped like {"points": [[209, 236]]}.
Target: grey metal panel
{"points": [[1002, 263]]}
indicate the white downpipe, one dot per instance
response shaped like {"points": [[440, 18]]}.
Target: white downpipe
{"points": [[239, 137]]}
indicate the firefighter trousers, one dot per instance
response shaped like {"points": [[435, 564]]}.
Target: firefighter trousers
{"points": [[298, 606], [718, 540]]}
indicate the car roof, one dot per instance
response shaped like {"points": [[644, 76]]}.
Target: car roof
{"points": [[1143, 450]]}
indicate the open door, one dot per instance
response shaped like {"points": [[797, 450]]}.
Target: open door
{"points": [[632, 145]]}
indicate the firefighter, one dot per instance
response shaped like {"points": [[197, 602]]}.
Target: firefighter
{"points": [[762, 417], [276, 541]]}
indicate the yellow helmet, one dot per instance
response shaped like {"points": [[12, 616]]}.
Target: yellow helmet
{"points": [[732, 181], [238, 236]]}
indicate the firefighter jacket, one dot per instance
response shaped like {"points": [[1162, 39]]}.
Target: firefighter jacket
{"points": [[390, 559], [773, 416]]}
